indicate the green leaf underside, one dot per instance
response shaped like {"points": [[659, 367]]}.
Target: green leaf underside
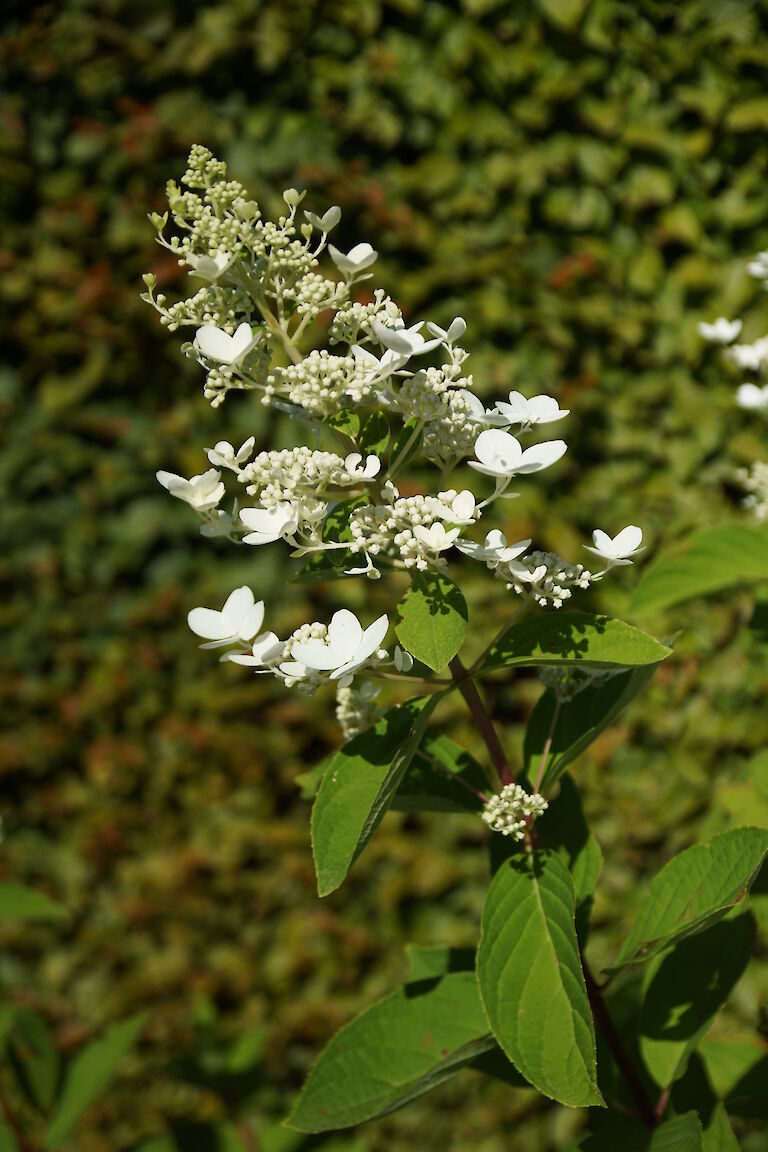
{"points": [[359, 785], [432, 782], [393, 1052], [17, 902], [574, 638], [34, 1056], [737, 1065], [346, 421], [375, 435], [718, 1135], [90, 1073], [713, 560], [579, 722], [405, 448], [531, 981], [615, 1133], [693, 890], [432, 619], [564, 829], [685, 988]]}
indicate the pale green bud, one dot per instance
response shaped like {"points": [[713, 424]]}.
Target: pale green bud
{"points": [[293, 198]]}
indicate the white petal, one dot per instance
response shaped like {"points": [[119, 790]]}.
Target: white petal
{"points": [[496, 448], [237, 606], [252, 622], [602, 542], [540, 456], [209, 624], [213, 342], [345, 632], [242, 340], [628, 540], [318, 655], [372, 638], [464, 504]]}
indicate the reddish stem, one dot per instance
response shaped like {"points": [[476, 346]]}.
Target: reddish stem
{"points": [[482, 719]]}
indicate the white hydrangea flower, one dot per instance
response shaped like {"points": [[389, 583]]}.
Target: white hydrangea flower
{"points": [[345, 648], [209, 267], [327, 221], [512, 810], [452, 333], [404, 341], [495, 550], [239, 620], [266, 651], [216, 344], [750, 357], [538, 410], [436, 538], [720, 331], [356, 260], [269, 524], [618, 549], [223, 454], [202, 492], [752, 397], [758, 266], [500, 454]]}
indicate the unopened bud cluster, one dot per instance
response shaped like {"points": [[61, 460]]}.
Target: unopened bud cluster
{"points": [[513, 810]]}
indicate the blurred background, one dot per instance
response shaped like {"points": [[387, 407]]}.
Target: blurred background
{"points": [[584, 181]]}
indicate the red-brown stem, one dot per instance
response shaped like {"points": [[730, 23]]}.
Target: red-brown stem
{"points": [[13, 1124], [645, 1111], [661, 1105], [482, 719]]}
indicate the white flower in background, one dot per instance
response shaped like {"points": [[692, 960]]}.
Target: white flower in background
{"points": [[374, 369], [238, 621], [500, 454], [537, 410], [203, 492], [405, 341], [721, 331], [223, 455], [209, 267], [369, 472], [495, 551], [216, 344], [270, 524], [452, 333], [345, 648], [356, 260], [435, 538], [265, 651], [758, 266], [621, 548], [457, 507], [750, 357], [752, 397], [327, 221], [403, 660], [512, 809], [476, 410]]}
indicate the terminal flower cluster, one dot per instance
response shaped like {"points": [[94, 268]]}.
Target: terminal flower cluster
{"points": [[512, 810], [752, 395], [387, 394]]}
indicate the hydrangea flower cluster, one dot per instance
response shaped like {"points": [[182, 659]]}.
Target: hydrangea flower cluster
{"points": [[752, 395], [386, 394], [512, 810]]}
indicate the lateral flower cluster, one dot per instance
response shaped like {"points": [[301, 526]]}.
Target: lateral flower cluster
{"points": [[752, 395], [386, 394]]}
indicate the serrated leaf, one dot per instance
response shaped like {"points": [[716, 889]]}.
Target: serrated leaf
{"points": [[695, 889], [564, 830], [437, 779], [574, 639], [685, 988], [531, 981], [431, 620], [359, 786], [556, 735], [393, 1052], [709, 562], [375, 435], [89, 1074], [17, 902]]}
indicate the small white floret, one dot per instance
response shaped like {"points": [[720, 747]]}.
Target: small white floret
{"points": [[617, 550]]}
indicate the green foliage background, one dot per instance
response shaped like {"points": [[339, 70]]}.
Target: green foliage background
{"points": [[583, 180]]}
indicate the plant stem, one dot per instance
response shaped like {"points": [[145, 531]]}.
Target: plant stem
{"points": [[645, 1110], [274, 327], [482, 719], [547, 746]]}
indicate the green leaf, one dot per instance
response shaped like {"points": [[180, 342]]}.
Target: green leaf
{"points": [[564, 731], [695, 889], [564, 830], [684, 990], [437, 777], [426, 962], [346, 422], [17, 902], [35, 1057], [8, 1142], [395, 1051], [574, 638], [615, 1133], [359, 785], [89, 1074], [737, 1065], [432, 619], [710, 561], [531, 981], [375, 435], [718, 1135]]}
